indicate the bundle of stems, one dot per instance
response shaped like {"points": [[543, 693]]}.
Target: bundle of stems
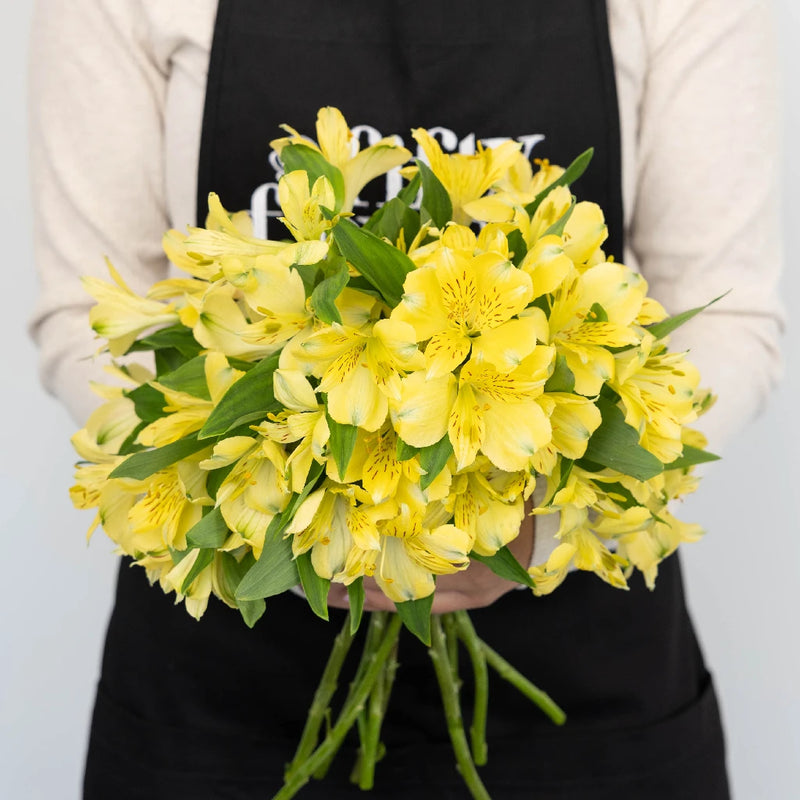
{"points": [[368, 698]]}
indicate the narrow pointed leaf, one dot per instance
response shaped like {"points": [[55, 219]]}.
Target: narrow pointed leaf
{"points": [[148, 403], [144, 464], [177, 337], [315, 588], [433, 460], [562, 379], [416, 616], [435, 199], [190, 377], [691, 455], [341, 444], [504, 563], [234, 571], [405, 452], [250, 398], [408, 194], [615, 444], [323, 298], [274, 573], [665, 327], [383, 265], [210, 531], [571, 174], [204, 558], [355, 593], [516, 244], [557, 228]]}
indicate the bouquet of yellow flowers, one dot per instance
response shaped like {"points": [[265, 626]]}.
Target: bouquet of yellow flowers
{"points": [[380, 400]]}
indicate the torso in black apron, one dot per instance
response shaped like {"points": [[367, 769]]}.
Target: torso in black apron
{"points": [[214, 710]]}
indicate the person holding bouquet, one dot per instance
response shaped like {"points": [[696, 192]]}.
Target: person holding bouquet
{"points": [[140, 111]]}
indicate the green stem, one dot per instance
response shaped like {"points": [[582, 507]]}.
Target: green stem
{"points": [[530, 690], [451, 638], [369, 744], [348, 716], [322, 698], [455, 725], [477, 730]]}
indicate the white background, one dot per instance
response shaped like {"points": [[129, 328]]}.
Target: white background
{"points": [[55, 594]]}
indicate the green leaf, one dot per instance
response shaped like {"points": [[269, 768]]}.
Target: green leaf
{"points": [[190, 377], [215, 478], [355, 594], [615, 444], [565, 467], [300, 156], [129, 445], [416, 616], [618, 493], [562, 379], [557, 228], [148, 403], [323, 298], [168, 360], [178, 337], [505, 564], [433, 460], [435, 199], [210, 531], [144, 464], [596, 314], [250, 398], [405, 452], [204, 558], [665, 327], [408, 194], [393, 217], [315, 588], [274, 573], [233, 572], [383, 265], [691, 455], [516, 244], [571, 174], [341, 444]]}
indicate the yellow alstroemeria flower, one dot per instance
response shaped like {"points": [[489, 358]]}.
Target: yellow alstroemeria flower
{"points": [[332, 521], [302, 207], [361, 369], [658, 390], [461, 297], [467, 177], [583, 339], [413, 550], [120, 315], [573, 420], [171, 506], [199, 252], [490, 518], [515, 189], [581, 546], [197, 593], [255, 490], [340, 148], [483, 410]]}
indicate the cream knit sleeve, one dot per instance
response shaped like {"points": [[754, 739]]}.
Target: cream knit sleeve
{"points": [[96, 150], [706, 214]]}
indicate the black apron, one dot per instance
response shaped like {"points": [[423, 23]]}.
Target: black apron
{"points": [[214, 710]]}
